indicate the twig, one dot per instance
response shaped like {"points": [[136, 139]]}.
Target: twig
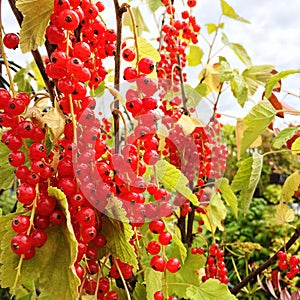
{"points": [[267, 264]]}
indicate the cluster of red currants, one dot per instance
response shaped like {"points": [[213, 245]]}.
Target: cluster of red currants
{"points": [[215, 265], [290, 265]]}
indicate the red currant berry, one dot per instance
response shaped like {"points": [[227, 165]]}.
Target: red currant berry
{"points": [[128, 54], [157, 226], [159, 295], [173, 265], [68, 19], [11, 41], [158, 263], [20, 223], [21, 243], [146, 65], [38, 237], [165, 238], [26, 193], [153, 248]]}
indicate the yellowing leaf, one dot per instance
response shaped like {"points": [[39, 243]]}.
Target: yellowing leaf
{"points": [[211, 27], [284, 214], [55, 120], [246, 179], [118, 233], [228, 194], [139, 20], [146, 49], [239, 132], [296, 146], [216, 212], [210, 77], [173, 179], [228, 11], [239, 50], [256, 76], [290, 185], [210, 290], [195, 55], [189, 124], [36, 18], [162, 132]]}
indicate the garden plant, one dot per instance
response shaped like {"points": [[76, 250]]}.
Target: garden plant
{"points": [[113, 155]]}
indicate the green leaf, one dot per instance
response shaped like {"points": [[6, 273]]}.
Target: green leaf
{"points": [[50, 268], [296, 146], [290, 185], [226, 73], [6, 170], [210, 290], [36, 18], [99, 91], [283, 136], [256, 76], [139, 292], [257, 120], [247, 178], [239, 88], [211, 27], [194, 95], [177, 248], [173, 179], [275, 78], [139, 19], [229, 12], [146, 49], [187, 275], [239, 50], [154, 281], [228, 194], [154, 5], [22, 80], [195, 55], [216, 213], [118, 233]]}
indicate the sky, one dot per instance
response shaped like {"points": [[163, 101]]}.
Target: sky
{"points": [[271, 38]]}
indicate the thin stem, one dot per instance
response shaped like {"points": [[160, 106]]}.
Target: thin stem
{"points": [[10, 79], [183, 95], [123, 280], [119, 14]]}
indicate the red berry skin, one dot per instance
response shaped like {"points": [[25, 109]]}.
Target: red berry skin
{"points": [[21, 243], [153, 248], [57, 217], [79, 271], [294, 261], [157, 226], [26, 193], [11, 41], [146, 65], [38, 237], [37, 151], [159, 295], [173, 265], [128, 54], [68, 19], [88, 233], [283, 265], [165, 238], [158, 263], [16, 158], [20, 223], [99, 241]]}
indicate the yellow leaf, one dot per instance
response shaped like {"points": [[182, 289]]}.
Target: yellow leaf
{"points": [[162, 132], [210, 76], [284, 214], [239, 131], [36, 18], [290, 186], [189, 124], [296, 146], [55, 120]]}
